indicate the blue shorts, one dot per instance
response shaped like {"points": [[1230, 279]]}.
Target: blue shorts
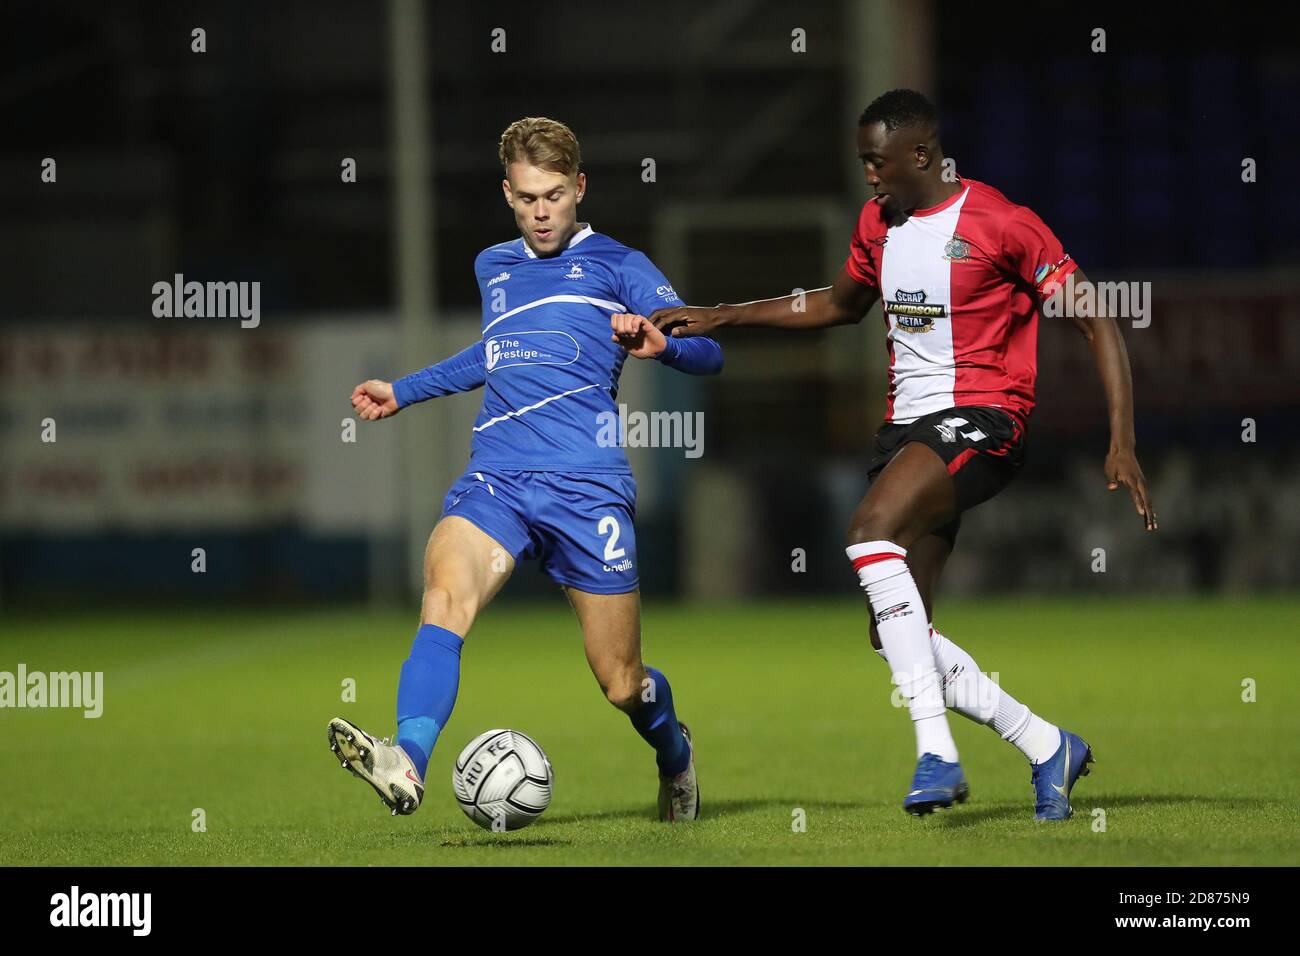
{"points": [[578, 524]]}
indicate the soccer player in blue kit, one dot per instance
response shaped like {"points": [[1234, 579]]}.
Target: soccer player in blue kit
{"points": [[563, 307]]}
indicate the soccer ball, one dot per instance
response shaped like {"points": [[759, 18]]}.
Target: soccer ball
{"points": [[502, 780]]}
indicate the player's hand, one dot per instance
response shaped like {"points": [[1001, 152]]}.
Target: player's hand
{"points": [[688, 320], [374, 400], [1122, 468], [637, 335]]}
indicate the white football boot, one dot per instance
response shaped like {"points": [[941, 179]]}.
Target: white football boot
{"points": [[383, 765], [679, 796]]}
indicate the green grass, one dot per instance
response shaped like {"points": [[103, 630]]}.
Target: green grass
{"points": [[790, 709]]}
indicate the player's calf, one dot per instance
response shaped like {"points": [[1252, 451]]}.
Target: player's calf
{"points": [[904, 633], [655, 719]]}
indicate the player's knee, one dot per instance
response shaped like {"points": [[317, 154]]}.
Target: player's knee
{"points": [[445, 608], [624, 692], [875, 636], [875, 524]]}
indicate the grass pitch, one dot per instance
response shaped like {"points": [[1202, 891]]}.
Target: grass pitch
{"points": [[226, 711]]}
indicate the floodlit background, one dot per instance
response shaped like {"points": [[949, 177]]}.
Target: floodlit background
{"points": [[175, 434]]}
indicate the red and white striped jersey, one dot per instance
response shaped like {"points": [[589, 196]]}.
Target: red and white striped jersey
{"points": [[961, 284]]}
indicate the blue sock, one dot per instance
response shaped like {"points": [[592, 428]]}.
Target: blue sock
{"points": [[656, 721], [426, 692]]}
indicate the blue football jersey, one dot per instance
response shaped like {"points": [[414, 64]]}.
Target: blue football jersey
{"points": [[546, 361]]}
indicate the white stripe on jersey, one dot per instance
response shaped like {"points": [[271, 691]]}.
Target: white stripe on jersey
{"points": [[528, 408], [913, 261], [603, 303]]}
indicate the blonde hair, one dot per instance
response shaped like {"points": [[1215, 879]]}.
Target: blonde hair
{"points": [[545, 143]]}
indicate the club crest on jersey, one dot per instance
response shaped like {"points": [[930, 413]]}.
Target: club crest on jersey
{"points": [[912, 313], [956, 249], [575, 272]]}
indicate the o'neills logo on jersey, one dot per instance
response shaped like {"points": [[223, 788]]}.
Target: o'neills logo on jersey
{"points": [[912, 313]]}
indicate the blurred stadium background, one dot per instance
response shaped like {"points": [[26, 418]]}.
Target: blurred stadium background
{"points": [[174, 434]]}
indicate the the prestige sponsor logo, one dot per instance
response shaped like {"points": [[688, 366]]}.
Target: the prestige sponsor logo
{"points": [[543, 347]]}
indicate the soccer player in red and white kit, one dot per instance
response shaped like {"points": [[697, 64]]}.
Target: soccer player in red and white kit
{"points": [[963, 272]]}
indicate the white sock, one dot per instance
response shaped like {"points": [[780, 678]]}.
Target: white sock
{"points": [[973, 694], [905, 637]]}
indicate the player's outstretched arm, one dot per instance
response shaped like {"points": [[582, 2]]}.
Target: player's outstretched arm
{"points": [[461, 372], [843, 303], [1108, 351], [640, 339]]}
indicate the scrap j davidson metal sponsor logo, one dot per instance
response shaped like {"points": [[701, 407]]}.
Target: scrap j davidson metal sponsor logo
{"points": [[912, 313]]}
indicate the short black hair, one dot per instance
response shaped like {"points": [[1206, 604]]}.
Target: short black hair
{"points": [[899, 108]]}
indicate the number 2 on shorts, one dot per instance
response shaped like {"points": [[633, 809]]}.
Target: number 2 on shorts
{"points": [[609, 526]]}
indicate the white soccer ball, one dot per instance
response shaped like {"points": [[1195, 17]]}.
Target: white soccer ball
{"points": [[502, 780]]}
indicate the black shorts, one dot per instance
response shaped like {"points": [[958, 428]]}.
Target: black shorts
{"points": [[983, 447]]}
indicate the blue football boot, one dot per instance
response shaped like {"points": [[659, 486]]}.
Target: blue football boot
{"points": [[935, 786], [1053, 779]]}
